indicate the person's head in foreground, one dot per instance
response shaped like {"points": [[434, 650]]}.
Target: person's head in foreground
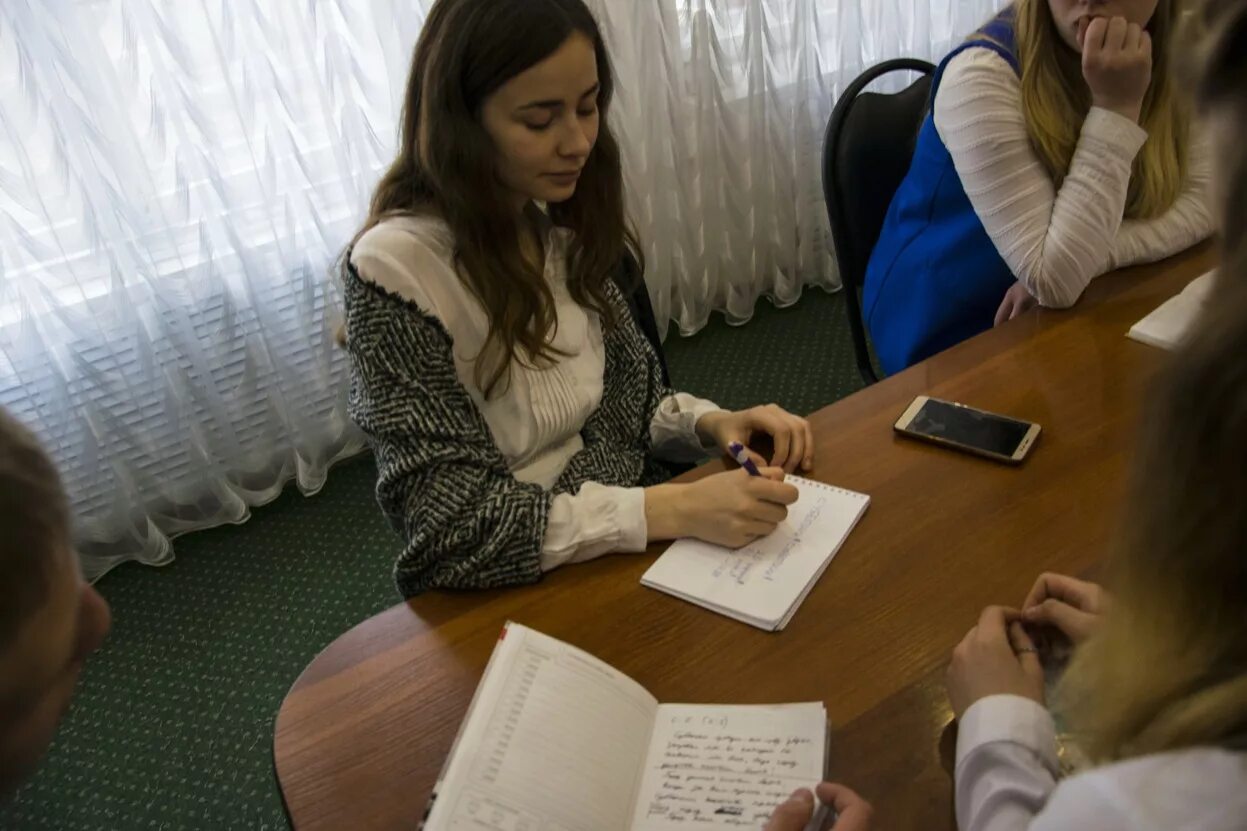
{"points": [[50, 619]]}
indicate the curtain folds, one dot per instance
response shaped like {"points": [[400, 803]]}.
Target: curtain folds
{"points": [[722, 109], [177, 179]]}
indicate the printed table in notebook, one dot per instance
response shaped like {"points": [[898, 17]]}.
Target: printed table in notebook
{"points": [[557, 739]]}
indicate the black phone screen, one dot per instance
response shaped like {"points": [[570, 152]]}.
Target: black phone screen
{"points": [[970, 427]]}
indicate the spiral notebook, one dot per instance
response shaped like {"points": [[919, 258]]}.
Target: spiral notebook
{"points": [[763, 583]]}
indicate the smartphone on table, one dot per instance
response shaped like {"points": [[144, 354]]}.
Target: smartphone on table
{"points": [[975, 431]]}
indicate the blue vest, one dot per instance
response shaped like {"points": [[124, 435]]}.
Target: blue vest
{"points": [[935, 277]]}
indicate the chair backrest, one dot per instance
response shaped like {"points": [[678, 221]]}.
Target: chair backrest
{"points": [[866, 153], [631, 282], [869, 146]]}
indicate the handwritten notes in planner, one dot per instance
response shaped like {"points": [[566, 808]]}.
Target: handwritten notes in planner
{"points": [[728, 766]]}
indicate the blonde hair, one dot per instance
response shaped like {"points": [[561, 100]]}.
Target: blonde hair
{"points": [[1168, 667], [1056, 100]]}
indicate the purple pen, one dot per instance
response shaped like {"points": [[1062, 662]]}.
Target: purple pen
{"points": [[742, 458]]}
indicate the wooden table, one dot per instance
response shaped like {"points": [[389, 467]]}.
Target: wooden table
{"points": [[364, 731]]}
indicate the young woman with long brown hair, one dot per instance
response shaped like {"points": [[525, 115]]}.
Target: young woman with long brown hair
{"points": [[517, 412], [1156, 693], [1057, 148]]}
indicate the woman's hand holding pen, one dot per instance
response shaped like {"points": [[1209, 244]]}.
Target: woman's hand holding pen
{"points": [[735, 508], [852, 812], [731, 509]]}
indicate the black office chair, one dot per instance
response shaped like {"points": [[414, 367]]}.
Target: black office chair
{"points": [[866, 153], [632, 283]]}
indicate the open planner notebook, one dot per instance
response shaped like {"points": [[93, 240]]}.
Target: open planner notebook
{"points": [[556, 740], [763, 583]]}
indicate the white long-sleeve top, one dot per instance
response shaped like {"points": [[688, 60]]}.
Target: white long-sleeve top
{"points": [[536, 420], [1056, 242], [1006, 780]]}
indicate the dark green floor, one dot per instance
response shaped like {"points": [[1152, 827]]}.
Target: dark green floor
{"points": [[172, 724]]}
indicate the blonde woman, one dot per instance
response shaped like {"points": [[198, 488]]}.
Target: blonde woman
{"points": [[1057, 149], [1157, 688]]}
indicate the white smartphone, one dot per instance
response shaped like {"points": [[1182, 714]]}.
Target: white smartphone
{"points": [[954, 425]]}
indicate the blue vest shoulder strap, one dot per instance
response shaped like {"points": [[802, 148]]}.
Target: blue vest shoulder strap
{"points": [[997, 35]]}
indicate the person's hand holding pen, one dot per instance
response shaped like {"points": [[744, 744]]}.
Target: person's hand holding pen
{"points": [[731, 509], [852, 813]]}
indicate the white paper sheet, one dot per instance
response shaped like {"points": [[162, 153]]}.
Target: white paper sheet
{"points": [[1168, 326]]}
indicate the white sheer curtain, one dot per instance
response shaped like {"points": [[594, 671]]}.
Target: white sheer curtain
{"points": [[175, 181], [177, 178], [723, 104]]}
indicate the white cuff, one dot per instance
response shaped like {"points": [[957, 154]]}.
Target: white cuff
{"points": [[1115, 129], [1012, 719], [673, 430], [598, 520]]}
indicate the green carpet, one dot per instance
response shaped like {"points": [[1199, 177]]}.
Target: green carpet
{"points": [[800, 357], [172, 724]]}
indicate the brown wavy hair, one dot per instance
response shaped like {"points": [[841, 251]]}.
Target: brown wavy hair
{"points": [[446, 167], [1167, 668], [1056, 100]]}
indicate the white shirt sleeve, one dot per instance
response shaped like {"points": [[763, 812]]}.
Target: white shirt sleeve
{"points": [[414, 260], [598, 520], [673, 430], [1055, 242], [1088, 801], [405, 265], [1007, 768], [601, 519], [1195, 789], [1006, 763], [1188, 221]]}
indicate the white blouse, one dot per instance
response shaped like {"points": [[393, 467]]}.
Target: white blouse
{"points": [[1056, 242], [537, 418], [1006, 780]]}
